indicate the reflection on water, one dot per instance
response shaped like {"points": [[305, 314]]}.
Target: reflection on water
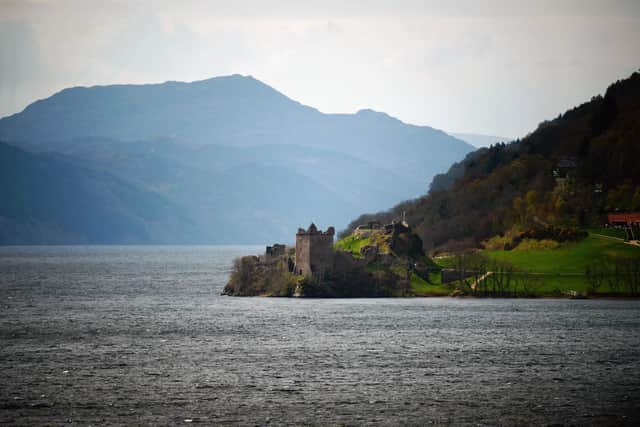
{"points": [[141, 335]]}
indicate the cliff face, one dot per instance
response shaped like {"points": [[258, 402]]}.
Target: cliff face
{"points": [[372, 262]]}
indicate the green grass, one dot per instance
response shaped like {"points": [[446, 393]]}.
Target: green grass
{"points": [[352, 244], [559, 270], [446, 261], [569, 258], [421, 287], [618, 233], [551, 284], [558, 285]]}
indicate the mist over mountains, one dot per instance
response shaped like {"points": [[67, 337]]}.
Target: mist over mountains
{"points": [[478, 140], [223, 160]]}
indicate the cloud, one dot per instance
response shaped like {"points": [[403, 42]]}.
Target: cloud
{"points": [[21, 70], [495, 67]]}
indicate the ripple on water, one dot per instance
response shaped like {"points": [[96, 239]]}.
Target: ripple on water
{"points": [[140, 335]]}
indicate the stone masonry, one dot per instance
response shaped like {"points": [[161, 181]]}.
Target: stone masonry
{"points": [[314, 251]]}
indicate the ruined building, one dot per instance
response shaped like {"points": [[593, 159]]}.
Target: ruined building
{"points": [[275, 250], [314, 251]]}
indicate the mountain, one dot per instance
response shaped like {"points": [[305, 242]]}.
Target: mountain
{"points": [[216, 110], [267, 191], [47, 200], [478, 140], [568, 173], [235, 111], [240, 160]]}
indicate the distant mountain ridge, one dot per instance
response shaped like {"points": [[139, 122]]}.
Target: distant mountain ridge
{"points": [[136, 112], [47, 200], [243, 161]]}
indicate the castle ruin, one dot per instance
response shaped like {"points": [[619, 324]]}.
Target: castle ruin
{"points": [[275, 250], [314, 251]]}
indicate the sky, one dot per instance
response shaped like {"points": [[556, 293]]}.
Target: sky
{"points": [[487, 67]]}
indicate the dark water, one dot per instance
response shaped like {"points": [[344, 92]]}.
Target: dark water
{"points": [[140, 335]]}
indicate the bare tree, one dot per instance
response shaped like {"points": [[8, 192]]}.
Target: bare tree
{"points": [[632, 275], [595, 273], [478, 264], [529, 283], [470, 267], [501, 279], [614, 273]]}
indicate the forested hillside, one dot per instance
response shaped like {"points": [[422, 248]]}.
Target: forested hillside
{"points": [[569, 172]]}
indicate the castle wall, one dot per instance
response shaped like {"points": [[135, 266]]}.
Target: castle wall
{"points": [[321, 254], [303, 255], [314, 252]]}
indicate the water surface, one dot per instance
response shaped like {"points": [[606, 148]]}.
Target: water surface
{"points": [[132, 335]]}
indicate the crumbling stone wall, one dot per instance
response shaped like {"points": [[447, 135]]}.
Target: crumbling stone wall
{"points": [[275, 250], [314, 251]]}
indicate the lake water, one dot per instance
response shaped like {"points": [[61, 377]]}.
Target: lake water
{"points": [[141, 335]]}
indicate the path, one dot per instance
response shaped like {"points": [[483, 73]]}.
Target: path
{"points": [[474, 285], [626, 242], [606, 237]]}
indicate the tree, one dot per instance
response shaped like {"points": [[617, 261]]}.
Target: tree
{"points": [[501, 278], [529, 283], [595, 273], [614, 273], [631, 275]]}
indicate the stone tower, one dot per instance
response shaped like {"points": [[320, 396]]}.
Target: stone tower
{"points": [[314, 251]]}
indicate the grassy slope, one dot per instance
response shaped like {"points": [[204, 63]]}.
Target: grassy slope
{"points": [[420, 287], [562, 269], [352, 244], [570, 258]]}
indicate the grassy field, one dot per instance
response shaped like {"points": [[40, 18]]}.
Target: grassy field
{"points": [[538, 272], [420, 287], [569, 258], [560, 270], [609, 231]]}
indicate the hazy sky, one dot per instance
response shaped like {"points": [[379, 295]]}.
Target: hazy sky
{"points": [[492, 67]]}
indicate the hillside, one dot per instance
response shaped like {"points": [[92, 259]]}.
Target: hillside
{"points": [[242, 161], [234, 111], [45, 200], [568, 173]]}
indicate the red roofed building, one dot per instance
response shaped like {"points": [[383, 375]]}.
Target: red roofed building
{"points": [[630, 221], [624, 218]]}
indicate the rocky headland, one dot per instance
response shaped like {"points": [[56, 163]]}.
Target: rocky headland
{"points": [[374, 261]]}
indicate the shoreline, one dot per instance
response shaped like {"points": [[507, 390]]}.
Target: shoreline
{"points": [[603, 297]]}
